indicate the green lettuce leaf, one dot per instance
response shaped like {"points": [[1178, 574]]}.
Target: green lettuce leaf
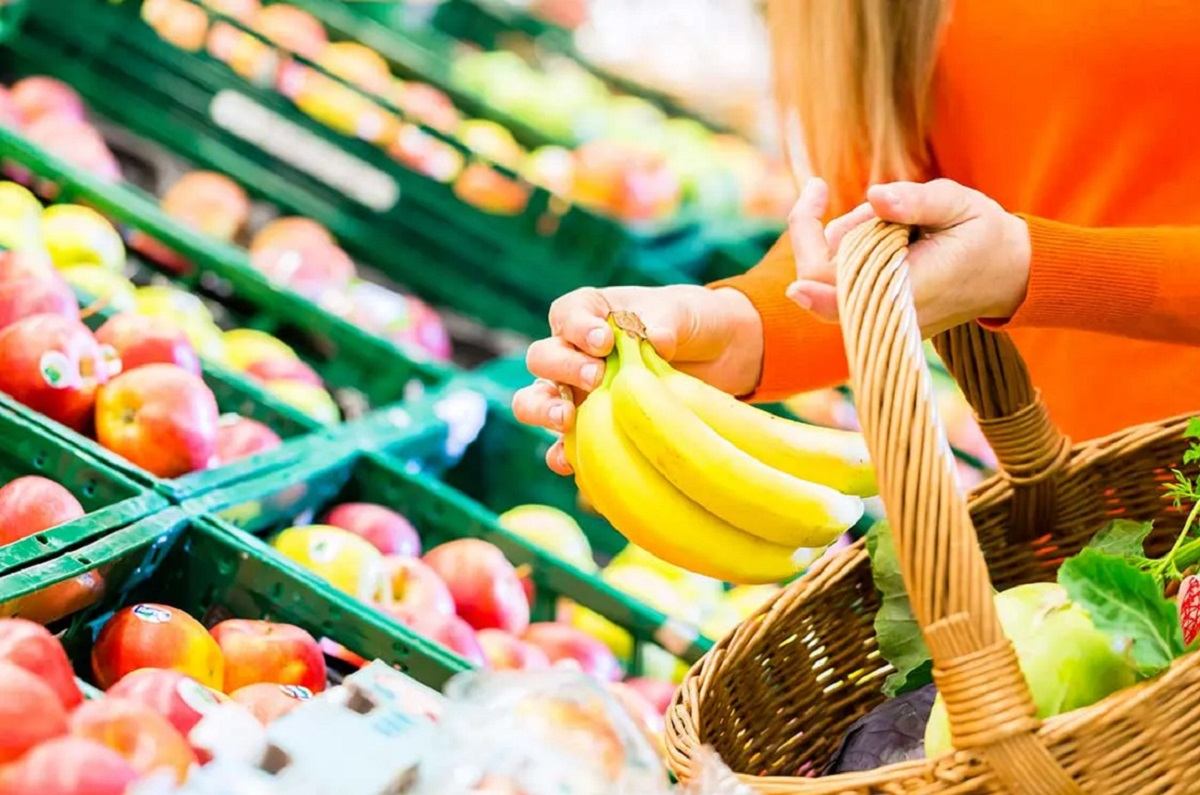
{"points": [[896, 628]]}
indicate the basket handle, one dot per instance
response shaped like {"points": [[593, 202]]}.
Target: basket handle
{"points": [[987, 700]]}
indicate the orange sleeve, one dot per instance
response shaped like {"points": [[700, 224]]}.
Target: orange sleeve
{"points": [[800, 352], [1142, 283]]}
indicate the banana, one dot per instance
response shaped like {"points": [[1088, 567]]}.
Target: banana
{"points": [[833, 458], [710, 469], [649, 511]]}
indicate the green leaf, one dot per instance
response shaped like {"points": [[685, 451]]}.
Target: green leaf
{"points": [[896, 628], [1122, 537], [1192, 431], [1191, 455], [1126, 603]]}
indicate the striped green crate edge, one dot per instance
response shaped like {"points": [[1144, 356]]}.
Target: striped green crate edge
{"points": [[267, 584], [41, 452]]}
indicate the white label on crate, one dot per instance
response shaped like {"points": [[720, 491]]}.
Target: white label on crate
{"points": [[464, 412], [310, 153]]}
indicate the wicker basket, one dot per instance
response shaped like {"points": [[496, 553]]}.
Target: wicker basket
{"points": [[775, 697]]}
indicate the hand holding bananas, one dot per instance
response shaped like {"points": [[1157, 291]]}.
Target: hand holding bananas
{"points": [[715, 335], [703, 480]]}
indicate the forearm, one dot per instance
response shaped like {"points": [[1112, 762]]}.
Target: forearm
{"points": [[1132, 282], [800, 352]]}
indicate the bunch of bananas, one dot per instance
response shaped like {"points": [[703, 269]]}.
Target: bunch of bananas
{"points": [[703, 480]]}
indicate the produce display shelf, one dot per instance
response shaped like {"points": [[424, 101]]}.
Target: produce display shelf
{"points": [[12, 12], [301, 493], [345, 356], [502, 270], [213, 572], [110, 499]]}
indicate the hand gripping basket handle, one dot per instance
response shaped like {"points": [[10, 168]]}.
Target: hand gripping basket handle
{"points": [[990, 709]]}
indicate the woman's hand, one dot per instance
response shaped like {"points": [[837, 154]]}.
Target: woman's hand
{"points": [[715, 335], [970, 261]]}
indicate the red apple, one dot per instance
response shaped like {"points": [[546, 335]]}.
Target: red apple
{"points": [[449, 631], [486, 588], [54, 365], [310, 269], [160, 417], [56, 601], [337, 651], [39, 96], [10, 114], [506, 653], [32, 647], [290, 232], [277, 368], [32, 504], [75, 141], [29, 285], [658, 692], [68, 766], [270, 702], [564, 642], [30, 711], [416, 588], [241, 437], [146, 739], [262, 651], [177, 697], [142, 339], [209, 202], [151, 635], [390, 532]]}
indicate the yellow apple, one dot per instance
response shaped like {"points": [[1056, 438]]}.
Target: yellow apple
{"points": [[245, 346], [20, 217], [78, 235], [348, 562], [553, 530], [312, 400]]}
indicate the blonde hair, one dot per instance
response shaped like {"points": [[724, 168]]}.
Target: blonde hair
{"points": [[852, 83]]}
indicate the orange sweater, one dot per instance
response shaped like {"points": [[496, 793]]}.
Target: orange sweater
{"points": [[1084, 116]]}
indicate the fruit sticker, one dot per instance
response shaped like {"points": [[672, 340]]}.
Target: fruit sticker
{"points": [[197, 696], [57, 370], [151, 614], [1189, 608], [298, 692]]}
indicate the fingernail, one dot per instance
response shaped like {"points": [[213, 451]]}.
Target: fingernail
{"points": [[558, 414], [796, 294], [596, 338], [589, 373]]}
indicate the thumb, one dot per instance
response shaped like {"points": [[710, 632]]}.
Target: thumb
{"points": [[937, 204]]}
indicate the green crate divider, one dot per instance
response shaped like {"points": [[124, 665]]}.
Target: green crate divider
{"points": [[440, 513], [503, 270], [213, 571], [346, 357], [110, 499]]}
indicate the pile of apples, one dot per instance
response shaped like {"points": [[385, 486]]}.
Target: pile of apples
{"points": [[51, 114], [135, 383], [162, 672], [301, 255], [467, 596]]}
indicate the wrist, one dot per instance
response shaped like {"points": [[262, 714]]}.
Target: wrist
{"points": [[743, 354], [1014, 280]]}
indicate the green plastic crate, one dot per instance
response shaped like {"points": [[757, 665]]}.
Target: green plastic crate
{"points": [[356, 365], [213, 572], [503, 270], [301, 493], [110, 499], [12, 12]]}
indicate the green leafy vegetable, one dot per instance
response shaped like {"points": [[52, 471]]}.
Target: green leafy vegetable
{"points": [[1122, 537], [896, 628], [1126, 602]]}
